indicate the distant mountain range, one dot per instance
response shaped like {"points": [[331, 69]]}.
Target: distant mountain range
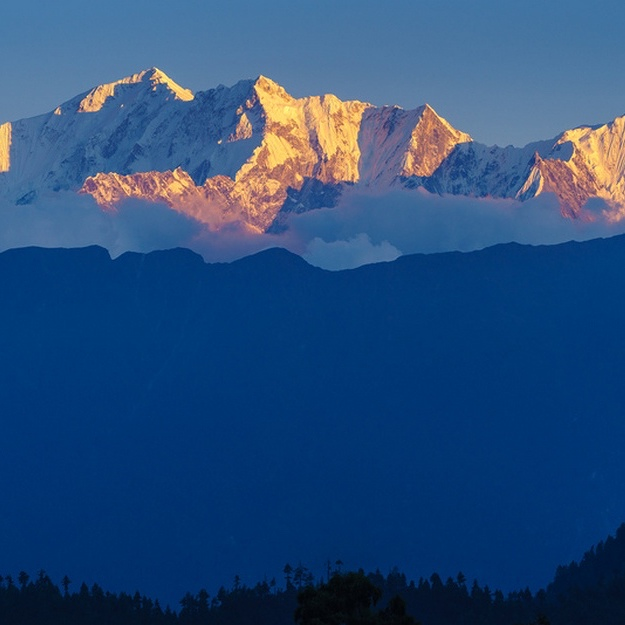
{"points": [[252, 153]]}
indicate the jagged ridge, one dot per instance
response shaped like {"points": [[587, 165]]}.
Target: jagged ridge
{"points": [[253, 153]]}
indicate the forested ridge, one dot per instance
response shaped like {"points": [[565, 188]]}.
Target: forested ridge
{"points": [[582, 593]]}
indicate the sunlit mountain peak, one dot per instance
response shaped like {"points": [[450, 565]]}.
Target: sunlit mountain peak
{"points": [[95, 99]]}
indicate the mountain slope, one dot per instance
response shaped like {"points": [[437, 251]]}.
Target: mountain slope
{"points": [[585, 162], [300, 140], [253, 153]]}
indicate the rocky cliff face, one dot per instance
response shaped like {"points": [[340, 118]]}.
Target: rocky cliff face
{"points": [[254, 153]]}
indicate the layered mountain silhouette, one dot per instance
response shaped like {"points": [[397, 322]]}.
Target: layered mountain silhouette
{"points": [[252, 153]]}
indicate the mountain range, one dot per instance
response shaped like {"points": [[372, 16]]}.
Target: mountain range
{"points": [[253, 154], [168, 420]]}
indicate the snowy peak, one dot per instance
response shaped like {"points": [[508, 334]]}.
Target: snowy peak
{"points": [[150, 80], [584, 162], [429, 114], [264, 86], [431, 141], [254, 153], [405, 143], [158, 77]]}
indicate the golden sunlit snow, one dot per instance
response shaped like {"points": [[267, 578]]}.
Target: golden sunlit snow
{"points": [[319, 137], [95, 99], [5, 147]]}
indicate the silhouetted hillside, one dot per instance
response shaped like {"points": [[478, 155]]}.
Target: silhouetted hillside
{"points": [[584, 593], [167, 421]]}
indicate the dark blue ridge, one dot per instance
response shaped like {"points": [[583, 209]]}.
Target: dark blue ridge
{"points": [[167, 424]]}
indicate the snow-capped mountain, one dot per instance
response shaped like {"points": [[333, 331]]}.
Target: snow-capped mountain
{"points": [[253, 153]]}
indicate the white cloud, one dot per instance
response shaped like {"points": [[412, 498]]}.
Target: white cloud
{"points": [[363, 229], [416, 221], [236, 240], [69, 220], [348, 254]]}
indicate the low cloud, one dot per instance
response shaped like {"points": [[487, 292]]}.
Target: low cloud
{"points": [[236, 240], [417, 221], [68, 220], [362, 229], [350, 253]]}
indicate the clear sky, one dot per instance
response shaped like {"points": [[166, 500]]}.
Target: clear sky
{"points": [[504, 71]]}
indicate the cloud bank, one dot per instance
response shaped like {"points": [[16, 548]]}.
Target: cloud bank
{"points": [[65, 219], [362, 229], [420, 222]]}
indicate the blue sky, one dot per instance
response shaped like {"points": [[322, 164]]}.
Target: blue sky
{"points": [[506, 72]]}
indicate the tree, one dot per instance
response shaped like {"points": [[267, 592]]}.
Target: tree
{"points": [[66, 581], [288, 572], [301, 576], [202, 603], [189, 609], [348, 599], [344, 600], [395, 613]]}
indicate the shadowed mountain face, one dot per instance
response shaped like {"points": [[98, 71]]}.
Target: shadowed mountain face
{"points": [[168, 424], [252, 153]]}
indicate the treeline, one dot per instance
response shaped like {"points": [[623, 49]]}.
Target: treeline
{"points": [[585, 593], [32, 602], [593, 590], [431, 602]]}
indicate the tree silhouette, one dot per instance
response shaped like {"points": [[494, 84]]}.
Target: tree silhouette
{"points": [[288, 572], [395, 613], [348, 599], [66, 581]]}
